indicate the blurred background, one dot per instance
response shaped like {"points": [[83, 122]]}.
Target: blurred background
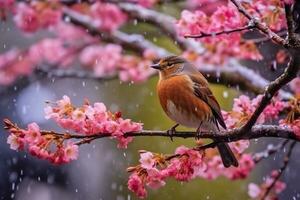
{"points": [[100, 171]]}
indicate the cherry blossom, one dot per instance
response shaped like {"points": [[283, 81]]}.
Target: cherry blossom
{"points": [[107, 16]]}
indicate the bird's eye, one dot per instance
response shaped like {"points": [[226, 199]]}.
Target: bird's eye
{"points": [[169, 65]]}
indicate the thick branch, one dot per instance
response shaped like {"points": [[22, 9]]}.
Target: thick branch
{"points": [[290, 24], [289, 74]]}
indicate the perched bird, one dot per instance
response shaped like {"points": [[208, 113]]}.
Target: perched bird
{"points": [[186, 98]]}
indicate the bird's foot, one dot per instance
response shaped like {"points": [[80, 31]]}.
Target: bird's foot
{"points": [[172, 131], [198, 132]]}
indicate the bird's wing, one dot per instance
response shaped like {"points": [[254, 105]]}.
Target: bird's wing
{"points": [[202, 91]]}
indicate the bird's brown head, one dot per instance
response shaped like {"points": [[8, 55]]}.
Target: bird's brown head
{"points": [[170, 65]]}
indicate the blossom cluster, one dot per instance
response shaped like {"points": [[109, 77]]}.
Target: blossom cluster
{"points": [[52, 52], [292, 119], [226, 18], [86, 121], [258, 191], [91, 120], [106, 60], [40, 144], [243, 108], [185, 165]]}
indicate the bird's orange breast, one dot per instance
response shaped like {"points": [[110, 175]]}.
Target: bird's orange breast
{"points": [[176, 95]]}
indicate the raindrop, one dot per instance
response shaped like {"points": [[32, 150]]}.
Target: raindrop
{"points": [[50, 179], [39, 178], [13, 185], [114, 186], [83, 83], [124, 154], [67, 19], [135, 22], [76, 190], [29, 189], [225, 94]]}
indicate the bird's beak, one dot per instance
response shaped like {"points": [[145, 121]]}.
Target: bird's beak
{"points": [[155, 66]]}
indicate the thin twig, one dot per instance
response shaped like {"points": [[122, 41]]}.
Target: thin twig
{"points": [[202, 34], [257, 157], [260, 26], [280, 171]]}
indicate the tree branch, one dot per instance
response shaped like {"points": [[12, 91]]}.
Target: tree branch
{"points": [[202, 35], [290, 24], [257, 157], [257, 131], [260, 26], [289, 74], [281, 170]]}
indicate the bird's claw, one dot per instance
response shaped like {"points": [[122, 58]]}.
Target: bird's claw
{"points": [[172, 131], [197, 135], [198, 132]]}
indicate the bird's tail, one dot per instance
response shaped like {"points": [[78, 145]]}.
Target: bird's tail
{"points": [[227, 155]]}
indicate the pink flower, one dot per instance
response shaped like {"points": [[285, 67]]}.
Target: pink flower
{"points": [[15, 142], [78, 115], [123, 142], [136, 185], [154, 178], [273, 109], [146, 3], [49, 17], [32, 135], [104, 60], [70, 152], [253, 190], [64, 104], [146, 160], [50, 51], [26, 18], [295, 85], [107, 16], [239, 146], [246, 164], [49, 113]]}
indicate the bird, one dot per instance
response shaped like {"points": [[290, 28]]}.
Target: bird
{"points": [[186, 98]]}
